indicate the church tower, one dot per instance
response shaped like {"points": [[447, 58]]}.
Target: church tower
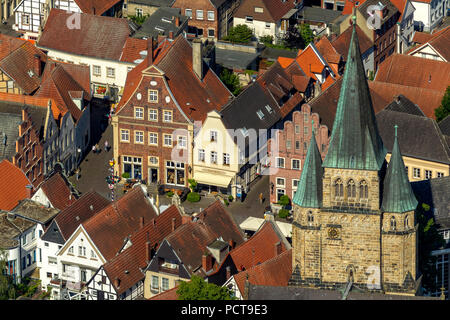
{"points": [[343, 207]]}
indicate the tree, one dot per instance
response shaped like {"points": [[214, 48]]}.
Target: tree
{"points": [[429, 239], [266, 39], [292, 39], [444, 109], [231, 81], [199, 289], [239, 34], [306, 34], [7, 290]]}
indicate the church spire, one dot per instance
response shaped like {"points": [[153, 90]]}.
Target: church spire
{"points": [[309, 190], [355, 142], [397, 194]]}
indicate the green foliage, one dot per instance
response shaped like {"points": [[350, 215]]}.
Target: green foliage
{"points": [[429, 239], [266, 39], [283, 213], [193, 197], [169, 194], [231, 81], [126, 175], [7, 290], [199, 289], [138, 20], [239, 34], [306, 33], [284, 200], [32, 288], [192, 184], [226, 202], [444, 109], [230, 198]]}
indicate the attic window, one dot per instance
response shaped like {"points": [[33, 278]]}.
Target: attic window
{"points": [[260, 114], [30, 73], [159, 29], [166, 20], [268, 108], [259, 10]]}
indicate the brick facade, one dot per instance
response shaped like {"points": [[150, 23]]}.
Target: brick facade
{"points": [[297, 132]]}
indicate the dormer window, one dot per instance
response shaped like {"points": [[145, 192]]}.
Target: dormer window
{"points": [[260, 114], [268, 108], [259, 10]]}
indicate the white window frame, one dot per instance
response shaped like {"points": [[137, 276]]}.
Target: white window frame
{"points": [[139, 113], [167, 137], [416, 170], [294, 187], [201, 155], [152, 96], [186, 13], [439, 174], [153, 161], [213, 156], [167, 116], [153, 138], [278, 184], [199, 15], [213, 135], [110, 72], [95, 69], [277, 163], [299, 164], [182, 142], [127, 133], [141, 134], [428, 174], [226, 159], [152, 114], [208, 15]]}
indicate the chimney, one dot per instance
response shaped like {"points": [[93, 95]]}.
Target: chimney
{"points": [[177, 21], [197, 61], [228, 269], [150, 51], [171, 35], [185, 219], [29, 189], [231, 244], [148, 251], [206, 262], [141, 222], [278, 248], [173, 224], [117, 282], [37, 64]]}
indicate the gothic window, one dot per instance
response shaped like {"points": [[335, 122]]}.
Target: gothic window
{"points": [[363, 190], [310, 217], [393, 224], [351, 189], [338, 189], [406, 222]]}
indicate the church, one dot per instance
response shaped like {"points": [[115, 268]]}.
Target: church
{"points": [[353, 224]]}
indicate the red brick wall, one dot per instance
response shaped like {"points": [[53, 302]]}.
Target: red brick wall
{"points": [[288, 133], [126, 121], [204, 5], [388, 40], [28, 140]]}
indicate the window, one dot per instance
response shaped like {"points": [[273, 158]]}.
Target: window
{"points": [[96, 70], [152, 95], [211, 32], [139, 137], [52, 260], [280, 163], [93, 255], [25, 19], [164, 284], [49, 274], [416, 172], [440, 174], [297, 129], [155, 283], [259, 10], [338, 189], [288, 144], [153, 115], [428, 174], [249, 19], [110, 72], [129, 69], [268, 108], [182, 142], [295, 183], [153, 161], [33, 235], [260, 114], [153, 138], [226, 158], [24, 239], [363, 190], [82, 251], [267, 25], [133, 166], [213, 135], [280, 182], [280, 193], [83, 275], [175, 173], [199, 14], [138, 113], [46, 244], [167, 116], [125, 135], [406, 222], [211, 15], [351, 189], [305, 130], [407, 171], [188, 13], [310, 217], [213, 157], [297, 145], [201, 155], [295, 164], [71, 250], [393, 224], [167, 140]]}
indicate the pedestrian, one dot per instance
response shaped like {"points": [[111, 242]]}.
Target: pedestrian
{"points": [[77, 172], [261, 198], [106, 146], [97, 148], [94, 149]]}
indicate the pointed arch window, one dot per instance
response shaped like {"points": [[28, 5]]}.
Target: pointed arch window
{"points": [[351, 189], [407, 222], [310, 217], [338, 189], [363, 190], [393, 224]]}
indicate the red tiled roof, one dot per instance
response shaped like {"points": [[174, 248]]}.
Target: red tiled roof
{"points": [[98, 36], [342, 42], [58, 192], [289, 105], [133, 258], [259, 248], [440, 42], [427, 73], [97, 7], [8, 44], [300, 82], [400, 5], [285, 62], [167, 295], [327, 51], [309, 62], [421, 37], [131, 49], [13, 184], [113, 224], [272, 272], [70, 218]]}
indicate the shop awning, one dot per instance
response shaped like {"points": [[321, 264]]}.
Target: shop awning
{"points": [[222, 181]]}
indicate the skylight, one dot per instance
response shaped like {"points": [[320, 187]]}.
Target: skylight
{"points": [[268, 108], [260, 114]]}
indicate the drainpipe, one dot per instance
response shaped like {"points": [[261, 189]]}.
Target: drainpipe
{"points": [[399, 40]]}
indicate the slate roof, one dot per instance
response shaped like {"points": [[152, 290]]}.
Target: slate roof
{"points": [[133, 259], [342, 42], [309, 190], [33, 210], [355, 142], [9, 231], [233, 59], [397, 192], [58, 192], [444, 125], [316, 14], [273, 10], [403, 104], [275, 53], [427, 73], [97, 7], [118, 220], [98, 36], [435, 193], [10, 118], [12, 185], [162, 18], [272, 272], [418, 136]]}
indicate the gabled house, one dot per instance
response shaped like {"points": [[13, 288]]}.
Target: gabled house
{"points": [[267, 17], [60, 230], [153, 124], [55, 192], [122, 277], [98, 239], [196, 247], [434, 47], [429, 13], [106, 52], [405, 24]]}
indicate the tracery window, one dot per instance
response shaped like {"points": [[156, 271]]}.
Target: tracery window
{"points": [[363, 190], [393, 224], [338, 189], [351, 189]]}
